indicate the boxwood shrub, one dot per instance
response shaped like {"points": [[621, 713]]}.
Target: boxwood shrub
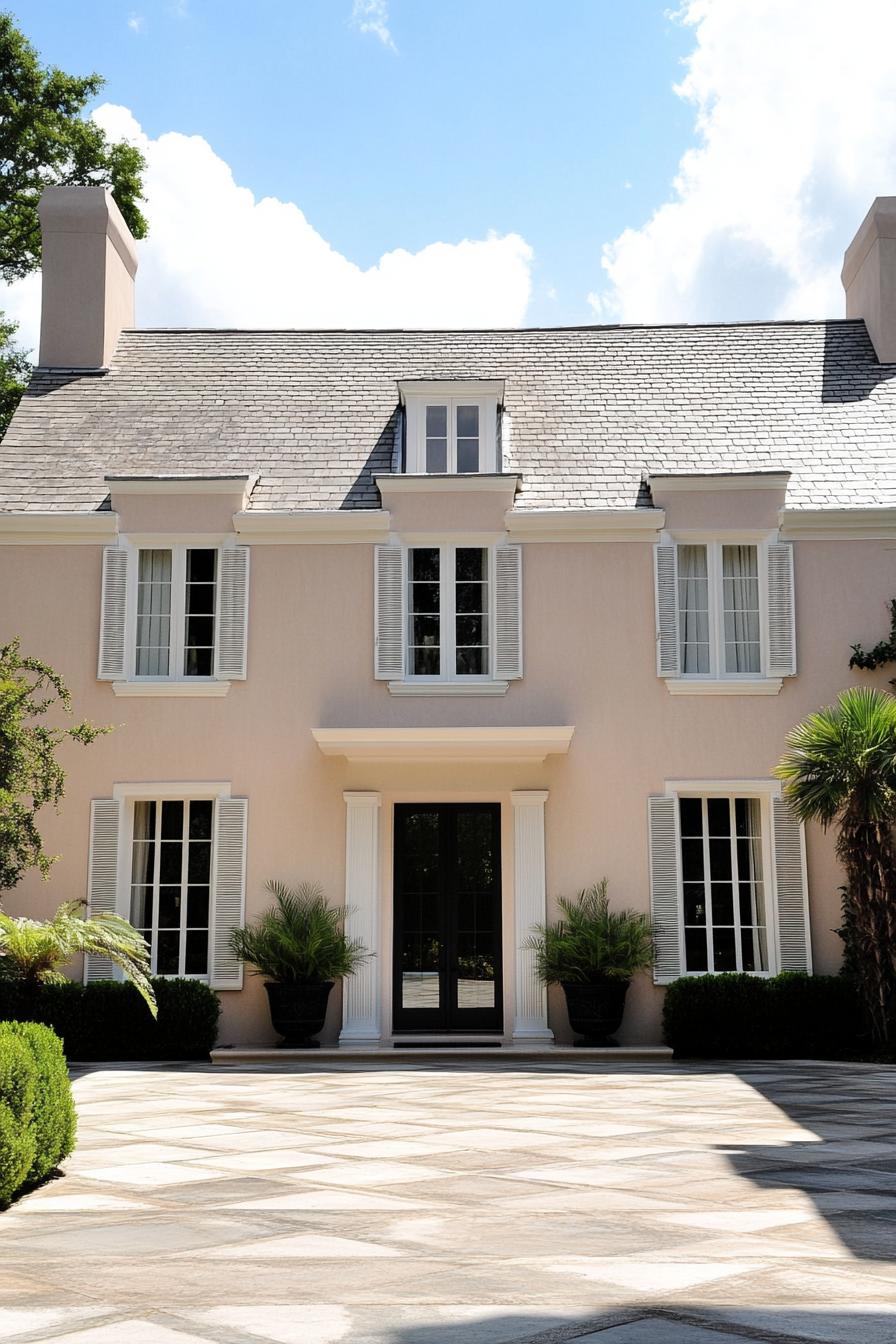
{"points": [[37, 1114], [107, 1020], [784, 1016]]}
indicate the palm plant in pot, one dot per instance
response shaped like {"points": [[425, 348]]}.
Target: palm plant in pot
{"points": [[593, 952], [301, 947]]}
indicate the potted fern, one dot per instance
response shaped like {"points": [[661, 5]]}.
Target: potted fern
{"points": [[593, 952], [301, 947]]}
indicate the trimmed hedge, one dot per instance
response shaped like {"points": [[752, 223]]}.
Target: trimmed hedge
{"points": [[37, 1114], [787, 1016], [107, 1020]]}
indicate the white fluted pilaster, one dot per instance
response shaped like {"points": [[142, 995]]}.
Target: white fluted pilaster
{"points": [[530, 1019], [360, 992]]}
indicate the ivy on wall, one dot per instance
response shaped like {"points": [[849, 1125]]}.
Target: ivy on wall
{"points": [[882, 653]]}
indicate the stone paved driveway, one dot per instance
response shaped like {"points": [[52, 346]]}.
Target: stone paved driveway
{"points": [[461, 1205]]}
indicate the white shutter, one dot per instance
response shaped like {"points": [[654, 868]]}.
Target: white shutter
{"points": [[790, 884], [665, 562], [388, 655], [233, 614], [113, 614], [102, 877], [781, 624], [509, 612], [664, 889], [229, 891]]}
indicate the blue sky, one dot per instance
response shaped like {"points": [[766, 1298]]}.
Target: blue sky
{"points": [[555, 124]]}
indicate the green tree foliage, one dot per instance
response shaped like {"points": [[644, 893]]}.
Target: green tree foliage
{"points": [[840, 768], [45, 141], [15, 370], [31, 776]]}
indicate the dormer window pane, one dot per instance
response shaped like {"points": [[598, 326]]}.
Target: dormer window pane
{"points": [[436, 439], [467, 438]]}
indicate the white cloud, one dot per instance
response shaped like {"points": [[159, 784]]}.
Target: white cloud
{"points": [[137, 23], [216, 256], [372, 16], [796, 134]]}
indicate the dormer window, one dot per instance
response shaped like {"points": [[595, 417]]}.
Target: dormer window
{"points": [[451, 429]]}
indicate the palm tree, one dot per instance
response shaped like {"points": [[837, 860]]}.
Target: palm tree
{"points": [[33, 950], [841, 768]]}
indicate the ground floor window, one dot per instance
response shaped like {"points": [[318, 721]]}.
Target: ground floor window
{"points": [[171, 867], [723, 890]]}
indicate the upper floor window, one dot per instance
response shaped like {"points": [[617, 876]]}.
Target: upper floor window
{"points": [[725, 613], [719, 610], [176, 608], [448, 611], [173, 617], [451, 428]]}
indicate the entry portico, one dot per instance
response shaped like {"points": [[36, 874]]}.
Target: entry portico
{"points": [[504, 1001]]}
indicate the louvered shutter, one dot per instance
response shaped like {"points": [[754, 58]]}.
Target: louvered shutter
{"points": [[665, 562], [664, 889], [229, 897], [113, 614], [233, 614], [388, 657], [509, 612], [790, 884], [102, 877], [781, 624]]}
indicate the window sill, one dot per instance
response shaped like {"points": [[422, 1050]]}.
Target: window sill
{"points": [[694, 686], [168, 689], [448, 688]]}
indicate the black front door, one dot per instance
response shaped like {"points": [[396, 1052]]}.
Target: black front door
{"points": [[447, 908]]}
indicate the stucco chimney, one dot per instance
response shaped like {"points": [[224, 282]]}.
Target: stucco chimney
{"points": [[89, 263], [869, 277]]}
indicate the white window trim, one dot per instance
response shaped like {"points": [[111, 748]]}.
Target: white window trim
{"points": [[415, 440], [448, 683], [174, 684], [717, 681], [764, 790], [133, 792]]}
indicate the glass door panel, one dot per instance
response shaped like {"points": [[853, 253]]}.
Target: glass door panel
{"points": [[447, 914]]}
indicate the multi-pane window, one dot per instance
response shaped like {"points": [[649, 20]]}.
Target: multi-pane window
{"points": [[452, 437], [176, 604], [719, 609], [171, 866], [723, 891], [448, 611]]}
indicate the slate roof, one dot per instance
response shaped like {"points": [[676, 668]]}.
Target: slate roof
{"points": [[592, 408]]}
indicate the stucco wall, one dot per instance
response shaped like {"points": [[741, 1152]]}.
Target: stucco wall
{"points": [[589, 661]]}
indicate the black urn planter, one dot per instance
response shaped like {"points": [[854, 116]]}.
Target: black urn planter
{"points": [[298, 1011], [595, 1010]]}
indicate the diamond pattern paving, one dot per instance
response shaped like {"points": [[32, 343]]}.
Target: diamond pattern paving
{"points": [[458, 1204]]}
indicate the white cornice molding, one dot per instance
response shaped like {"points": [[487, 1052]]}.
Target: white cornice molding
{"points": [[444, 744], [57, 529], [450, 387], [737, 480], [293, 527], [866, 524], [241, 484], [584, 524], [407, 483]]}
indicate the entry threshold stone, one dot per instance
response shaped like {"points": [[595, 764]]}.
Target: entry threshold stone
{"points": [[387, 1053]]}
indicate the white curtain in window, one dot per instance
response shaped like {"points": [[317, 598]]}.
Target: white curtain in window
{"points": [[693, 608], [740, 601]]}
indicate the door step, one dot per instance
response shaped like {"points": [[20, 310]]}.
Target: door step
{"points": [[385, 1054], [447, 1045]]}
